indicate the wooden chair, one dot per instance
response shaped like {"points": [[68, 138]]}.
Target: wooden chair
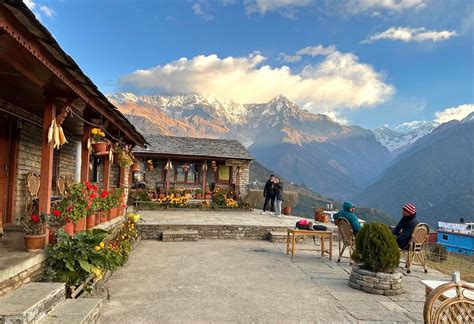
{"points": [[346, 236], [417, 246], [458, 309], [33, 181], [61, 186]]}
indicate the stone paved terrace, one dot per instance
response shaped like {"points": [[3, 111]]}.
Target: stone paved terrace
{"points": [[217, 281], [217, 217]]}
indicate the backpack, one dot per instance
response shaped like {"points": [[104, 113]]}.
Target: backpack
{"points": [[304, 224]]}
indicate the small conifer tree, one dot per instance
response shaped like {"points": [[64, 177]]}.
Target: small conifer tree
{"points": [[376, 248]]}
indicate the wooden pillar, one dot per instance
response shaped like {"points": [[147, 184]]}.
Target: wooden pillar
{"points": [[204, 171], [122, 178], [107, 164], [46, 159], [237, 181], [85, 153]]}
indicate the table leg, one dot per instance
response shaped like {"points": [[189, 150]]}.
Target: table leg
{"points": [[330, 247], [293, 245], [322, 245], [287, 242]]}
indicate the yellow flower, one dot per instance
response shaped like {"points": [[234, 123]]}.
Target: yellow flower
{"points": [[101, 134], [97, 248], [101, 244], [95, 131]]}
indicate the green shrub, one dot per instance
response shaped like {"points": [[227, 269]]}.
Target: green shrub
{"points": [[438, 253], [376, 248]]}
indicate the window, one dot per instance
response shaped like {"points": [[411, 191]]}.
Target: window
{"points": [[223, 173], [445, 237], [182, 176]]}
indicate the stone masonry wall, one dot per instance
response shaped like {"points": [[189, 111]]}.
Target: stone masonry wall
{"points": [[29, 160]]}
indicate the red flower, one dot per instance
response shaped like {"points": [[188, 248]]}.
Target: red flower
{"points": [[104, 194], [69, 209], [56, 213], [93, 195], [87, 183], [95, 188], [35, 218]]}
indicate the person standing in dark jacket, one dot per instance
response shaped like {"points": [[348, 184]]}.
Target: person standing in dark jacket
{"points": [[406, 226], [269, 194], [278, 196]]}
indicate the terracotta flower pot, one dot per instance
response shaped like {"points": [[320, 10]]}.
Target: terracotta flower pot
{"points": [[115, 212], [100, 147], [35, 243], [135, 167], [97, 218], [69, 228], [287, 210], [198, 196], [121, 211], [149, 167], [324, 219], [79, 225], [178, 195], [162, 196], [208, 196], [104, 216], [90, 221], [318, 214]]}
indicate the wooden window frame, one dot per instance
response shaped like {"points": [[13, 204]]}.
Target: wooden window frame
{"points": [[223, 182]]}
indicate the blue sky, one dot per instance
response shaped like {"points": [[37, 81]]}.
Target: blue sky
{"points": [[364, 62]]}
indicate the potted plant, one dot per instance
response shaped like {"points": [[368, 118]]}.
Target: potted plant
{"points": [[198, 193], [135, 167], [289, 201], [318, 214], [55, 221], [34, 227], [149, 165], [75, 205], [378, 256], [208, 195], [98, 141], [125, 157]]}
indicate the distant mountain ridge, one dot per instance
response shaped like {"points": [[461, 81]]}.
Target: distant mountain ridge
{"points": [[308, 148]]}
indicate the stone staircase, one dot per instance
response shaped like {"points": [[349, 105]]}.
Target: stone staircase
{"points": [[40, 302]]}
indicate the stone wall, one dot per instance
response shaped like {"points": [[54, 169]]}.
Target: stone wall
{"points": [[29, 160], [381, 283], [27, 275]]}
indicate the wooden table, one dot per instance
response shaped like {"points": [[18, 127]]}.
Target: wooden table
{"points": [[293, 233], [430, 285]]}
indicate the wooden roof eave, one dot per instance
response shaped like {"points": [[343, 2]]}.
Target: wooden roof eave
{"points": [[189, 157], [22, 24]]}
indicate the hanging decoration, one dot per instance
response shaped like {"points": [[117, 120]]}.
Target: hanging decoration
{"points": [[186, 167], [56, 135], [214, 166], [204, 167], [168, 166]]}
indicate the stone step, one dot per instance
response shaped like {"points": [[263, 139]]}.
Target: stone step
{"points": [[182, 235], [280, 237], [30, 302], [75, 311]]}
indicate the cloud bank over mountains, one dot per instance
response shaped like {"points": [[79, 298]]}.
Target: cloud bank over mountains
{"points": [[339, 81]]}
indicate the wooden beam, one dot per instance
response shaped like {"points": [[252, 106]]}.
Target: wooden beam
{"points": [[46, 159], [204, 172], [107, 164], [122, 178], [85, 153]]}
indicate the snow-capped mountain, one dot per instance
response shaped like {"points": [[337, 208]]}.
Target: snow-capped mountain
{"points": [[304, 147], [397, 141]]}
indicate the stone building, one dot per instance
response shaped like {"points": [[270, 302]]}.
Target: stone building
{"points": [[169, 163], [40, 83]]}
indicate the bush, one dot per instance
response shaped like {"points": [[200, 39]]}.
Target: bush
{"points": [[376, 248], [438, 253]]}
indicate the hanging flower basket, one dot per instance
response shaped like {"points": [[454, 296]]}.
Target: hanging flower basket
{"points": [[100, 148], [135, 167], [35, 243]]}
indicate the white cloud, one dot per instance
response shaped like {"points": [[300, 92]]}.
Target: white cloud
{"points": [[199, 11], [376, 7], [264, 6], [409, 126], [340, 81], [30, 4], [310, 51], [454, 113], [407, 34], [47, 11]]}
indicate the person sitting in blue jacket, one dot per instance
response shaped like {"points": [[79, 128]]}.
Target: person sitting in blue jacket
{"points": [[347, 212], [406, 226]]}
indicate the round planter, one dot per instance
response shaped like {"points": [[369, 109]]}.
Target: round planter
{"points": [[79, 225], [110, 214], [103, 217], [135, 167], [178, 195], [198, 196], [115, 212], [381, 283], [286, 210], [99, 148], [69, 228], [162, 196], [35, 243], [90, 221]]}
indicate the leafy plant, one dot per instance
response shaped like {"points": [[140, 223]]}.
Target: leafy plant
{"points": [[97, 136], [376, 248], [34, 224], [56, 220]]}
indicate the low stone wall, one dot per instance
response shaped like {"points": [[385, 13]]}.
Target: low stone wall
{"points": [[27, 275], [221, 232], [381, 283]]}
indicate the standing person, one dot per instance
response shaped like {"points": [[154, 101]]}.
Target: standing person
{"points": [[269, 194], [348, 213], [278, 196], [405, 226]]}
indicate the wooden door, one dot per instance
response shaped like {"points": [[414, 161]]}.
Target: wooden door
{"points": [[5, 158]]}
